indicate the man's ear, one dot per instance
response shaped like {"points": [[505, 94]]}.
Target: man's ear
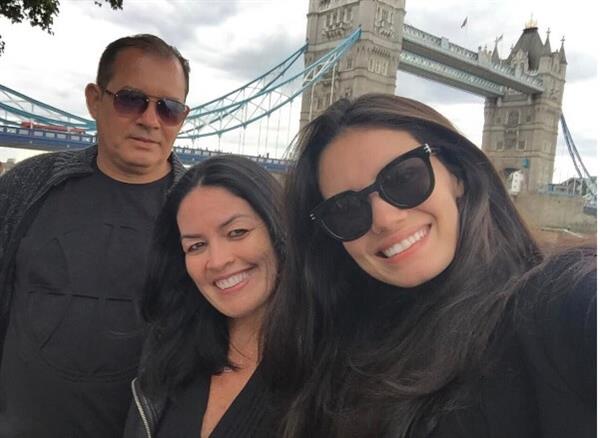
{"points": [[93, 94]]}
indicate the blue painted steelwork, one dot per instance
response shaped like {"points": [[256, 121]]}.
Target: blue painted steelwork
{"points": [[220, 116], [42, 139], [23, 108], [590, 182], [45, 140], [259, 84], [190, 156], [237, 109], [575, 157]]}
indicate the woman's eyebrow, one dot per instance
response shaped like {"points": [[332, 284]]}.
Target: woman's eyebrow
{"points": [[191, 236], [223, 225], [233, 218]]}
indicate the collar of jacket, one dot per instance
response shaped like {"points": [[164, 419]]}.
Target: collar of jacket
{"points": [[66, 164], [149, 410]]}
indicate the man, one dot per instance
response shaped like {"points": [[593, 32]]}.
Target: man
{"points": [[74, 230]]}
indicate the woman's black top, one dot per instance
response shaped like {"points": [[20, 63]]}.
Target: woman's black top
{"points": [[543, 383], [248, 416]]}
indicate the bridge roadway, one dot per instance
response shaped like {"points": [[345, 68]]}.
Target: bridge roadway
{"points": [[464, 66], [45, 140]]}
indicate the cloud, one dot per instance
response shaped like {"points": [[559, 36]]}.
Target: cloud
{"points": [[587, 147], [445, 21], [581, 66], [174, 21], [254, 59]]}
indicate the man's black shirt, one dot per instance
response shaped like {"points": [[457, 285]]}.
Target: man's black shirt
{"points": [[74, 335]]}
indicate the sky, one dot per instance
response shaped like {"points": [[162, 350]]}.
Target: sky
{"points": [[230, 42]]}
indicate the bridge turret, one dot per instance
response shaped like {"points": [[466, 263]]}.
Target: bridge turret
{"points": [[370, 66], [531, 44], [563, 57], [496, 54], [520, 130], [547, 51]]}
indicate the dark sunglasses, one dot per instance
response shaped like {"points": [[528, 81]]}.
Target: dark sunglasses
{"points": [[405, 182], [135, 103]]}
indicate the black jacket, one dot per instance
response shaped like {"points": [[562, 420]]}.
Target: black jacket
{"points": [[22, 191], [149, 412], [543, 381]]}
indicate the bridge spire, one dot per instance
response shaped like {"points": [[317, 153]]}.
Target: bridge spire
{"points": [[547, 47], [563, 57], [495, 54]]}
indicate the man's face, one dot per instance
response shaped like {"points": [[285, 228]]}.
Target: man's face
{"points": [[135, 148]]}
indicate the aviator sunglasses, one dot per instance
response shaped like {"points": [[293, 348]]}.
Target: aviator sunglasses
{"points": [[405, 182], [135, 103]]}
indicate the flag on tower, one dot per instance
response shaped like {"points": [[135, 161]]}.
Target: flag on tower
{"points": [[464, 23]]}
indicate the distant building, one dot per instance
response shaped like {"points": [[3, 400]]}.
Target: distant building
{"points": [[515, 182], [573, 186]]}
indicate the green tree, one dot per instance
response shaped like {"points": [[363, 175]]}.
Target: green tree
{"points": [[39, 13]]}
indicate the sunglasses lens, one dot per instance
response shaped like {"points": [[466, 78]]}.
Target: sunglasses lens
{"points": [[408, 183], [171, 111], [347, 216], [405, 183], [130, 102]]}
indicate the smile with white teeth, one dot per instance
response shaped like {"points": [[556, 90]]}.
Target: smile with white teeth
{"points": [[403, 245], [234, 280]]}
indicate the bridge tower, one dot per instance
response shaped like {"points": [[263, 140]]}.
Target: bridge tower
{"points": [[520, 130], [370, 66]]}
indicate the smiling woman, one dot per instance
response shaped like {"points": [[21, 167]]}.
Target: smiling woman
{"points": [[413, 302], [228, 253], [215, 257]]}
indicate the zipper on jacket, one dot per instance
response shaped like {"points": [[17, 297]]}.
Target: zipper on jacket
{"points": [[140, 409]]}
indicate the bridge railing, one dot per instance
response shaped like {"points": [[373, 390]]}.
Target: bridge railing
{"points": [[487, 87], [442, 44], [192, 156], [29, 109], [54, 141], [38, 138]]}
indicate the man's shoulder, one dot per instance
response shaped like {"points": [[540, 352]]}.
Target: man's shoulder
{"points": [[178, 167], [46, 164]]}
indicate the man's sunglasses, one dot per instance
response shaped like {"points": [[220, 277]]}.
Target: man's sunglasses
{"points": [[135, 103], [405, 182]]}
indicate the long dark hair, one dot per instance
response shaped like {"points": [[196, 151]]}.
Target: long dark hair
{"points": [[187, 334], [362, 358]]}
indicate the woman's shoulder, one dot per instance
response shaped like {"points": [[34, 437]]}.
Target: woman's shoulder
{"points": [[555, 325], [559, 294], [541, 379]]}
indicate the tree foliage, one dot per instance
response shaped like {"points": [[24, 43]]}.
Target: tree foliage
{"points": [[39, 13]]}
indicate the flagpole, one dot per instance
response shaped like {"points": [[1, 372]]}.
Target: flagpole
{"points": [[465, 26]]}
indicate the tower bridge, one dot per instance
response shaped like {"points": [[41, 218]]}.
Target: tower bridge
{"points": [[523, 93], [354, 47]]}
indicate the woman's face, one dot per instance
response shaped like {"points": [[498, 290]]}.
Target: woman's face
{"points": [[228, 251], [403, 247]]}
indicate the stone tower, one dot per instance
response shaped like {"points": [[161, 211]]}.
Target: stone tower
{"points": [[369, 66], [520, 131]]}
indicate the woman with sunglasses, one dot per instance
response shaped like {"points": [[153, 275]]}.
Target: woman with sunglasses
{"points": [[214, 261], [414, 302]]}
